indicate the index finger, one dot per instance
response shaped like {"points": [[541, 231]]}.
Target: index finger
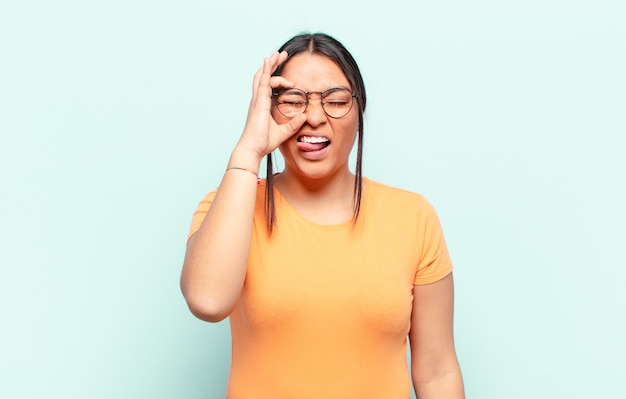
{"points": [[270, 65]]}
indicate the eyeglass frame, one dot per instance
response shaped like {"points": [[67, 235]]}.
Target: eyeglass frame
{"points": [[275, 94]]}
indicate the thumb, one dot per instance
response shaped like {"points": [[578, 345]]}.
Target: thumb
{"points": [[293, 126]]}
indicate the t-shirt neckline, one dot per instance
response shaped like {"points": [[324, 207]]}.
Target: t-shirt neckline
{"points": [[320, 226]]}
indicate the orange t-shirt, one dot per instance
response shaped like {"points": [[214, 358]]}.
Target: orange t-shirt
{"points": [[325, 309]]}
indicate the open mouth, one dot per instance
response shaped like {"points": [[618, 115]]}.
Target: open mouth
{"points": [[311, 143]]}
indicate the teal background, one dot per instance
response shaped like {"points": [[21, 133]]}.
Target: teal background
{"points": [[117, 117]]}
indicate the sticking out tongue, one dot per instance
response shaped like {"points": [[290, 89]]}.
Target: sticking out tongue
{"points": [[302, 146]]}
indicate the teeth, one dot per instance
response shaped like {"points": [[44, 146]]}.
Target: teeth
{"points": [[308, 139]]}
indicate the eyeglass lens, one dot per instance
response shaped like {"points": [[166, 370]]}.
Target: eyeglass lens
{"points": [[336, 102]]}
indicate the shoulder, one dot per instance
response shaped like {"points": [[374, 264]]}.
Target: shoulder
{"points": [[379, 192], [397, 204]]}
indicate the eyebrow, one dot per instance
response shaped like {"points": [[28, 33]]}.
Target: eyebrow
{"points": [[292, 90], [337, 88], [297, 90]]}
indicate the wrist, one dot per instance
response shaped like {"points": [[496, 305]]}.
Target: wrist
{"points": [[244, 158]]}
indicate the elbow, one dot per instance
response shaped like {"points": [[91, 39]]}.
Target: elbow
{"points": [[207, 299], [207, 310], [205, 306]]}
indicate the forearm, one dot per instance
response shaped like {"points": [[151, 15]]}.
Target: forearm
{"points": [[217, 254], [434, 364]]}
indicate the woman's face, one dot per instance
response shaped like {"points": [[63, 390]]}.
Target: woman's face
{"points": [[322, 145]]}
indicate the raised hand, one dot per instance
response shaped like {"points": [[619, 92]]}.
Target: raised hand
{"points": [[262, 134], [217, 254]]}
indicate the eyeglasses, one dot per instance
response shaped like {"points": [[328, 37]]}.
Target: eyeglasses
{"points": [[336, 101]]}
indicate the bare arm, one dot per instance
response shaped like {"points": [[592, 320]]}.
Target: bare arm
{"points": [[434, 365], [217, 254]]}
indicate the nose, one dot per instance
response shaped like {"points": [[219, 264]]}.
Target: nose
{"points": [[315, 114]]}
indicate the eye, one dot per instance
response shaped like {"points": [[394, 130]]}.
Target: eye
{"points": [[336, 103], [292, 97], [295, 103], [337, 97]]}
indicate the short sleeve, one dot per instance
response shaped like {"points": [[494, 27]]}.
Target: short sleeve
{"points": [[434, 259], [200, 213]]}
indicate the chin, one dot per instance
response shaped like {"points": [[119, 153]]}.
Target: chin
{"points": [[317, 170]]}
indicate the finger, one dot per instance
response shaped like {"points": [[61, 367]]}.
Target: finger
{"points": [[256, 79], [255, 83], [271, 62], [292, 127], [282, 57], [297, 121], [274, 60], [279, 81], [266, 72], [261, 82]]}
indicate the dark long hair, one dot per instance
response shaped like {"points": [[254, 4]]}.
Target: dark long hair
{"points": [[322, 44]]}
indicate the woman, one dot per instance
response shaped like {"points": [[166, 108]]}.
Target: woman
{"points": [[322, 272]]}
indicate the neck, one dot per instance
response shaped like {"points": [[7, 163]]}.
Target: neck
{"points": [[329, 200]]}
